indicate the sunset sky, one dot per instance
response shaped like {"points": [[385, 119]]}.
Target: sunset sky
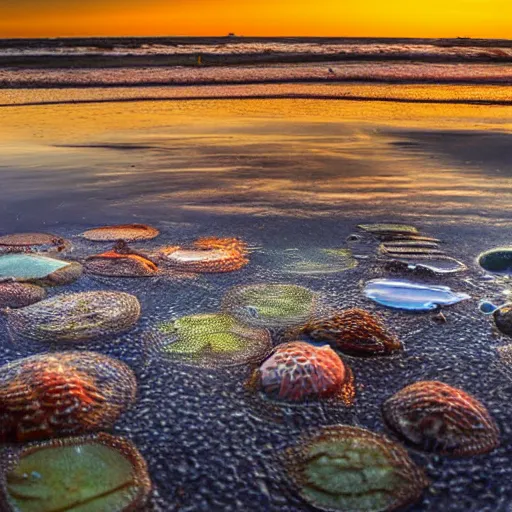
{"points": [[393, 18]]}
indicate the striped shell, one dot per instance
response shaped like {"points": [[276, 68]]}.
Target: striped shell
{"points": [[60, 394], [100, 473], [19, 295], [127, 232], [75, 317], [352, 469], [298, 372], [354, 331], [442, 419]]}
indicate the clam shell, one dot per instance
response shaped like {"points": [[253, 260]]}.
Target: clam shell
{"points": [[60, 394], [75, 317], [437, 417], [347, 468], [100, 473]]}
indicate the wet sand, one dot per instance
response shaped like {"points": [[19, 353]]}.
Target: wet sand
{"points": [[284, 175]]}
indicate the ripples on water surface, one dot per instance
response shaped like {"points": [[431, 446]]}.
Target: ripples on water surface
{"points": [[287, 176]]}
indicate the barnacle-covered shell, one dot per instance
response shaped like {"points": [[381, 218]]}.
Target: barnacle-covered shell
{"points": [[210, 340], [127, 232], [33, 242], [75, 317], [439, 418], [270, 305], [19, 295], [352, 469], [60, 394], [37, 269], [100, 473], [354, 331], [298, 372], [503, 319], [206, 255]]}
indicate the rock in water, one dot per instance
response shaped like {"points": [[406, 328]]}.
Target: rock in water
{"points": [[503, 319]]}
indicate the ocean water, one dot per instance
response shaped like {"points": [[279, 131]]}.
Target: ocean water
{"points": [[291, 168]]}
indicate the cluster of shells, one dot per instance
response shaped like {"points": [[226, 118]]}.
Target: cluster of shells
{"points": [[56, 407]]}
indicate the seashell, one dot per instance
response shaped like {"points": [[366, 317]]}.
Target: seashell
{"points": [[206, 255], [345, 468], [498, 260], [442, 419], [354, 331], [75, 317], [33, 242], [270, 305], [127, 232], [325, 261], [386, 229], [298, 372], [66, 393], [411, 296], [409, 251], [18, 295], [121, 261], [37, 269], [503, 319], [210, 340], [99, 473]]}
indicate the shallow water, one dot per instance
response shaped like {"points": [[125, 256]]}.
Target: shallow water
{"points": [[286, 176]]}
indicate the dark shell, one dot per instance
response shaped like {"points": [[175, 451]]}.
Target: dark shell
{"points": [[503, 319], [354, 331], [60, 394], [76, 317], [19, 295], [352, 469], [33, 242], [128, 232], [298, 372], [497, 260], [100, 473], [439, 418]]}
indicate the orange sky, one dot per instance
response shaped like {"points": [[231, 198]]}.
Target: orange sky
{"points": [[393, 18]]}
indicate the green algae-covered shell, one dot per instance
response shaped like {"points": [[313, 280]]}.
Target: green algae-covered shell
{"points": [[211, 339], [19, 295], [270, 305], [350, 469], [84, 474], [37, 269], [75, 317]]}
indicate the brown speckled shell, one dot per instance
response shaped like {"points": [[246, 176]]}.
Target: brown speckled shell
{"points": [[33, 242], [439, 418], [127, 232], [120, 265]]}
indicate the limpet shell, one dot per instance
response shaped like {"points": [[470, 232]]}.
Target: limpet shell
{"points": [[127, 232], [66, 393], [439, 418], [350, 469], [19, 295], [354, 331], [99, 473], [298, 372], [210, 340], [75, 317]]}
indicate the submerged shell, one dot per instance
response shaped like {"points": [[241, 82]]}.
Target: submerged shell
{"points": [[59, 394], [411, 296], [113, 264], [37, 269], [206, 255], [503, 319], [354, 331], [76, 317], [33, 242], [439, 418], [128, 232], [211, 340], [19, 295], [352, 469], [298, 372], [270, 305], [99, 473], [320, 262], [386, 229], [497, 260]]}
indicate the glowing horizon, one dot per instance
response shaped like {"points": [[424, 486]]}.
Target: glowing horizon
{"points": [[329, 18]]}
